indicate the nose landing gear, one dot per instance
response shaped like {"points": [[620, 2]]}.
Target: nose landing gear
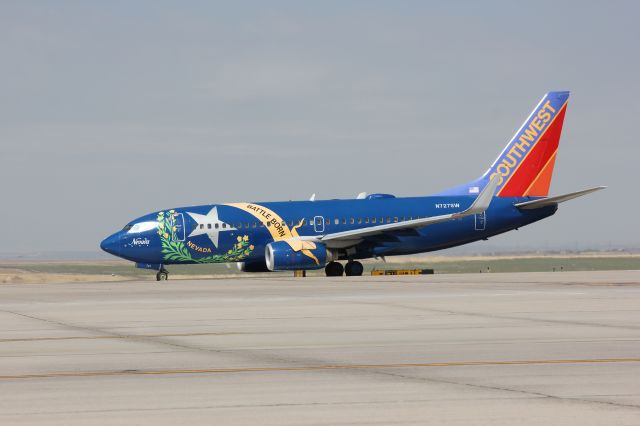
{"points": [[162, 274]]}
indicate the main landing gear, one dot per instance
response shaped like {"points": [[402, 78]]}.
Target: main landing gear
{"points": [[162, 275], [334, 269], [351, 269]]}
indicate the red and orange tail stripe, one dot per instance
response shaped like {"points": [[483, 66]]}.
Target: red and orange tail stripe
{"points": [[525, 166], [532, 176]]}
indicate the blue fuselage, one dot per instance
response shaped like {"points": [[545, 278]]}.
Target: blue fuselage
{"points": [[239, 232]]}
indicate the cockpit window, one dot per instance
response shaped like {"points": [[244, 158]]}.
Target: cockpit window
{"points": [[127, 227], [141, 227]]}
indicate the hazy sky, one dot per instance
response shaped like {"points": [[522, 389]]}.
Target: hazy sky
{"points": [[113, 109]]}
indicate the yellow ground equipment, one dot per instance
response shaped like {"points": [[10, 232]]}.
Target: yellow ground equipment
{"points": [[402, 272]]}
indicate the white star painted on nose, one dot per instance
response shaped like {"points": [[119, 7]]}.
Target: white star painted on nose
{"points": [[203, 222]]}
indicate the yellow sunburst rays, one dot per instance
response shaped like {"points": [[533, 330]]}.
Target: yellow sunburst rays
{"points": [[261, 213]]}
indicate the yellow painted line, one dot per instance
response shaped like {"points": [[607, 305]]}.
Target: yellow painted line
{"points": [[124, 336], [312, 368]]}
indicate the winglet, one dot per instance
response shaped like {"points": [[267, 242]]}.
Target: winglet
{"points": [[483, 200]]}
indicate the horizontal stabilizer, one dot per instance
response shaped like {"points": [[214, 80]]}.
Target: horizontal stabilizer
{"points": [[536, 204]]}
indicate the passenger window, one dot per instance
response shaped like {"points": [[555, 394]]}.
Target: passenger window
{"points": [[337, 221], [366, 220], [395, 219], [373, 220], [208, 225], [217, 225], [388, 219], [202, 226], [359, 220], [327, 221], [239, 226], [344, 220], [224, 225], [352, 221]]}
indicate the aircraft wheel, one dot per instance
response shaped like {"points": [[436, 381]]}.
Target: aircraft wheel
{"points": [[353, 269], [162, 276], [334, 269]]}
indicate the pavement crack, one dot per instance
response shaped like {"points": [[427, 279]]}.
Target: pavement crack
{"points": [[508, 389], [248, 354], [508, 317]]}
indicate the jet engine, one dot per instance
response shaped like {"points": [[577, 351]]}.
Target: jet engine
{"points": [[280, 256]]}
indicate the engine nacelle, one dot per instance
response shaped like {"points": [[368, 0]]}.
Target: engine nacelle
{"points": [[253, 266], [279, 256]]}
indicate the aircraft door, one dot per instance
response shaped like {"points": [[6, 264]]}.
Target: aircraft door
{"points": [[180, 231], [481, 221], [318, 224]]}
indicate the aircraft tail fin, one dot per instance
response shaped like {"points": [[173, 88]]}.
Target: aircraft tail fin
{"points": [[525, 165]]}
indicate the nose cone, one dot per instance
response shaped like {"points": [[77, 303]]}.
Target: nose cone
{"points": [[111, 244]]}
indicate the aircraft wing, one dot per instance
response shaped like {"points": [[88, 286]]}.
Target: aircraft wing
{"points": [[543, 202], [480, 204]]}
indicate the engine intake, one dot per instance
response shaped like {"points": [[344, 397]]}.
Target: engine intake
{"points": [[279, 256]]}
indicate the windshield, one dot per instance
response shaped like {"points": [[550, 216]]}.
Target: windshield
{"points": [[140, 227]]}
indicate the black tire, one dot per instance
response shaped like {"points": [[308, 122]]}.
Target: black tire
{"points": [[334, 269], [162, 276], [353, 269]]}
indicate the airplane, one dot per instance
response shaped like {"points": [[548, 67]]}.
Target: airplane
{"points": [[316, 234]]}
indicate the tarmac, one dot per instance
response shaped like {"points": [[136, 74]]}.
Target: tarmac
{"points": [[476, 349]]}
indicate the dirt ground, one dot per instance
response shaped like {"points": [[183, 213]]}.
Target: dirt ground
{"points": [[40, 271], [20, 276]]}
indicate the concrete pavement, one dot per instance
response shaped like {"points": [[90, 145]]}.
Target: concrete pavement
{"points": [[499, 349]]}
